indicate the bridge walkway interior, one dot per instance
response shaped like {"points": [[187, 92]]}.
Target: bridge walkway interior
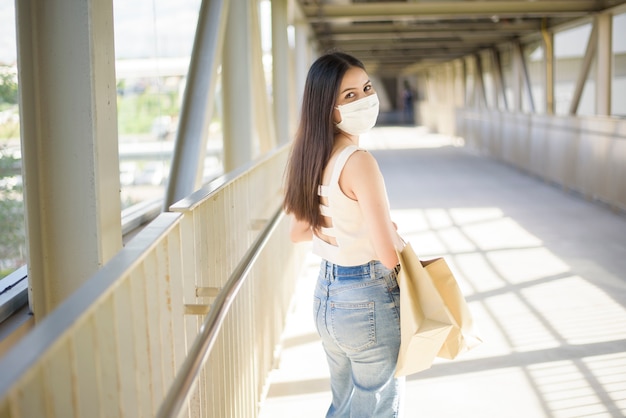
{"points": [[542, 269]]}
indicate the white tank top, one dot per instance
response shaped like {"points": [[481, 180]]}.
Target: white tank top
{"points": [[354, 246]]}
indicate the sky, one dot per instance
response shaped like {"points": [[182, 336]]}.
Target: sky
{"points": [[161, 28], [7, 32], [136, 23], [165, 28]]}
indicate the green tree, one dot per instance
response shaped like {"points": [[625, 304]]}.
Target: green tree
{"points": [[8, 86], [12, 234]]}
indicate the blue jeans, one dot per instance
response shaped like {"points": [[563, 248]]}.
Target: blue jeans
{"points": [[357, 314]]}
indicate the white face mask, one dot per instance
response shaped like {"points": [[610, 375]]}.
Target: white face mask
{"points": [[359, 116]]}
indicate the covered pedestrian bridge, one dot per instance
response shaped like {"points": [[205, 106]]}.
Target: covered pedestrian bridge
{"points": [[502, 138]]}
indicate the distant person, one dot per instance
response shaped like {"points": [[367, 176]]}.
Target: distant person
{"points": [[336, 195], [407, 101]]}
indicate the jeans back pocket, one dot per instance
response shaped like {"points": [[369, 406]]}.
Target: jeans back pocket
{"points": [[353, 325]]}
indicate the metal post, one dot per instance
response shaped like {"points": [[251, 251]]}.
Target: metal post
{"points": [[302, 61], [237, 87], [463, 74], [470, 94], [197, 108], [526, 85], [548, 47], [499, 79], [263, 115], [604, 66], [516, 78], [68, 110], [479, 84], [280, 70]]}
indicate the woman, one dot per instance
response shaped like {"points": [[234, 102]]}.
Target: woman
{"points": [[337, 198]]}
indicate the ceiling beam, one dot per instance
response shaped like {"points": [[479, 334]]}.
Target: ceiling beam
{"points": [[447, 10], [505, 25], [398, 56], [414, 49], [399, 37]]}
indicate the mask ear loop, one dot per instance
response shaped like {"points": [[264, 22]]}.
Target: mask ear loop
{"points": [[340, 115]]}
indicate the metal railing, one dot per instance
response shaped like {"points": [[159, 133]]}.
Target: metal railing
{"points": [[13, 292], [213, 322], [14, 287], [583, 154], [119, 345]]}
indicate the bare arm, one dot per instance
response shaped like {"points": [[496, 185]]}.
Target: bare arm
{"points": [[300, 230], [362, 178]]}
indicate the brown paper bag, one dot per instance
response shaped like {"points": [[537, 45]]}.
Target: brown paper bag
{"points": [[425, 322], [462, 336]]}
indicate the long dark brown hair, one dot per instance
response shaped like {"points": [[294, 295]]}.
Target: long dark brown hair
{"points": [[314, 140]]}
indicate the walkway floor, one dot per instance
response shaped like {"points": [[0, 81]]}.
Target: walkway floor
{"points": [[544, 273]]}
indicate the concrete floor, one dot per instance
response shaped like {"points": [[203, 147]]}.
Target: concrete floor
{"points": [[543, 271]]}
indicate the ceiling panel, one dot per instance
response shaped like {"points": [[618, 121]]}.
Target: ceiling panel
{"points": [[396, 36]]}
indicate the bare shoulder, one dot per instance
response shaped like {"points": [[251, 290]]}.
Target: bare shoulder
{"points": [[362, 159], [361, 175], [362, 163]]}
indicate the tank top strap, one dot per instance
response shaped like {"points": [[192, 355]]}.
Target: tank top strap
{"points": [[341, 162]]}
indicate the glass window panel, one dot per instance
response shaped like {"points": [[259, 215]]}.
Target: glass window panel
{"points": [[569, 51], [12, 231], [151, 73]]}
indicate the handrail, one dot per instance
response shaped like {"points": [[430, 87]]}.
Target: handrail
{"points": [[53, 328], [14, 289], [198, 353], [13, 292]]}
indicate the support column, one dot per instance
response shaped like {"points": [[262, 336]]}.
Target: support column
{"points": [[516, 79], [604, 67], [449, 83], [302, 61], [280, 70], [470, 94], [66, 63], [463, 74], [479, 84], [548, 48], [524, 79], [449, 123], [237, 87], [499, 81], [263, 115]]}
